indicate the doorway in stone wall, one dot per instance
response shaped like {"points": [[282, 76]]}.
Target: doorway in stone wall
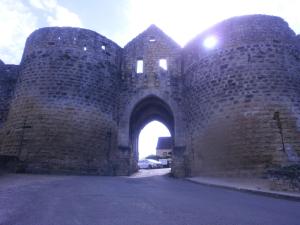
{"points": [[154, 140], [154, 114]]}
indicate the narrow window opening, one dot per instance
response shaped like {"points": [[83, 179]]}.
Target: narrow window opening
{"points": [[84, 48], [152, 39], [58, 38], [163, 64], [103, 47], [139, 66]]}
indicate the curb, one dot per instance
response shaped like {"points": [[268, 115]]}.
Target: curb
{"points": [[252, 191]]}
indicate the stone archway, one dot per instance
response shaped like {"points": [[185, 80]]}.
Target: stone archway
{"points": [[138, 111], [147, 110]]}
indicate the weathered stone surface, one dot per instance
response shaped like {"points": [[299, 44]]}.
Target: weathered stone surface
{"points": [[79, 103], [8, 78], [243, 97], [63, 116]]}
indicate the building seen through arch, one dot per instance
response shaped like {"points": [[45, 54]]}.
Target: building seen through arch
{"points": [[164, 147]]}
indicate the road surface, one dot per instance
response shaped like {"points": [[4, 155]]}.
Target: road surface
{"points": [[143, 199]]}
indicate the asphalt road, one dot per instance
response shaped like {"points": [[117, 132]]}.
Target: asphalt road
{"points": [[138, 200]]}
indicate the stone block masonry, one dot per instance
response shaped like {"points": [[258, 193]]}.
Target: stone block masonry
{"points": [[8, 78], [243, 104], [77, 102], [63, 115]]}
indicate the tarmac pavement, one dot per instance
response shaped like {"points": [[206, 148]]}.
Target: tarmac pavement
{"points": [[137, 200]]}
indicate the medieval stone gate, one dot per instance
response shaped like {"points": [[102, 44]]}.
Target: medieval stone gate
{"points": [[78, 101]]}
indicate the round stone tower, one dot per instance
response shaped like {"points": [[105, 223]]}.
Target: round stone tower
{"points": [[242, 97], [63, 115]]}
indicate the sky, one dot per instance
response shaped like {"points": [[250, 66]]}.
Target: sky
{"points": [[148, 138], [122, 20]]}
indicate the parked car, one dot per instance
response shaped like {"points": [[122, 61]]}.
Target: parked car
{"points": [[166, 162], [149, 164]]}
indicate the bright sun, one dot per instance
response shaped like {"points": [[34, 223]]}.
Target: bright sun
{"points": [[210, 42]]}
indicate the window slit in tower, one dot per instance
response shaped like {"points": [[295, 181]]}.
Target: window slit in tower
{"points": [[139, 66], [152, 39], [163, 64]]}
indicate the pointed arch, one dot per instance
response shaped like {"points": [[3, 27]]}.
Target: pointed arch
{"points": [[151, 108], [148, 109], [124, 120], [149, 105]]}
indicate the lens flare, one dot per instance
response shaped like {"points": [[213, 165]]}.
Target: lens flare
{"points": [[210, 42]]}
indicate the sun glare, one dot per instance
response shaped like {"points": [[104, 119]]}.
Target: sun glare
{"points": [[210, 42]]}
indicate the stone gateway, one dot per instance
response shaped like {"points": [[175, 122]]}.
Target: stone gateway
{"points": [[77, 101]]}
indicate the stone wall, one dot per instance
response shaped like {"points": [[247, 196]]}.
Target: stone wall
{"points": [[155, 83], [242, 97], [79, 103], [63, 115], [8, 78], [298, 41]]}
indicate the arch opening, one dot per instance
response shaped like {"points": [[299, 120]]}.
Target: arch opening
{"points": [[146, 111], [149, 136]]}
